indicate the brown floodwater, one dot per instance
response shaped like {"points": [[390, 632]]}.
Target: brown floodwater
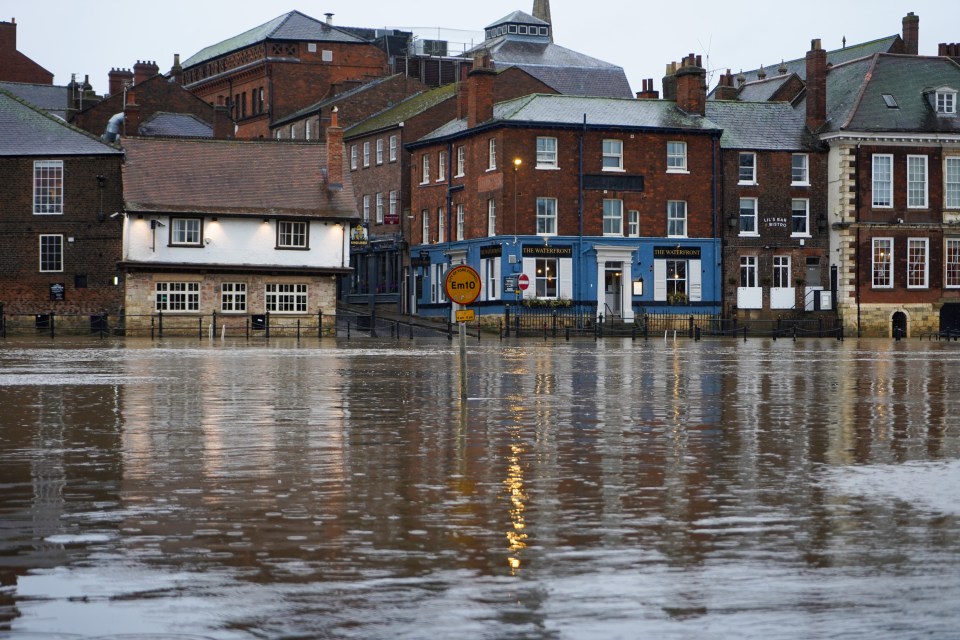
{"points": [[589, 489]]}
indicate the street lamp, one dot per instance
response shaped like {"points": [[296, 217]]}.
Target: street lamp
{"points": [[516, 167]]}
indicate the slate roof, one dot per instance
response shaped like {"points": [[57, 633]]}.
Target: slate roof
{"points": [[760, 126], [761, 90], [30, 131], [560, 110], [180, 125], [518, 17], [232, 177], [326, 102], [835, 57], [402, 111], [293, 26], [48, 97], [855, 94]]}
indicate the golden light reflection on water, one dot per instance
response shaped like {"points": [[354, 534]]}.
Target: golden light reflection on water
{"points": [[516, 536]]}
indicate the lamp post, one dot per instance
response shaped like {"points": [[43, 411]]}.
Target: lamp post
{"points": [[516, 168]]}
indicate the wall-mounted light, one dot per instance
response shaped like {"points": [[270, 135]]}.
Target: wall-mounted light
{"points": [[266, 221], [156, 223]]}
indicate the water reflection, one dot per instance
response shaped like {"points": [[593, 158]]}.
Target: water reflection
{"points": [[584, 489]]}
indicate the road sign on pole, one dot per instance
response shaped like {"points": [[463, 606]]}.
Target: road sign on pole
{"points": [[523, 281], [462, 284]]}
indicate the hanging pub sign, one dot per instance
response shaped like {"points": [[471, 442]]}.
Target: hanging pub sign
{"points": [[358, 237], [58, 291]]}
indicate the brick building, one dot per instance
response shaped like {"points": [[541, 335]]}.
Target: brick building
{"points": [[609, 204], [59, 242], [273, 70], [14, 65], [234, 228], [380, 164], [145, 102]]}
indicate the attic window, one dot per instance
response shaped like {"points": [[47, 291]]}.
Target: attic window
{"points": [[946, 101], [326, 55], [890, 101], [512, 28]]}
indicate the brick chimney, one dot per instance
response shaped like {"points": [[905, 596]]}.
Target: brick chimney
{"points": [[335, 153], [669, 82], [8, 38], [911, 34], [691, 86], [116, 80], [463, 93], [480, 92], [816, 86], [949, 50], [222, 124], [144, 71], [726, 90], [648, 92], [131, 115], [176, 71]]}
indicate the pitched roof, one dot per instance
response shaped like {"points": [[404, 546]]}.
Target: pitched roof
{"points": [[518, 17], [402, 111], [231, 177], [181, 125], [48, 97], [561, 110], [333, 100], [29, 131], [293, 26], [855, 94], [760, 126]]}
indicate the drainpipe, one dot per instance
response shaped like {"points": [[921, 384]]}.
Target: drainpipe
{"points": [[579, 266]]}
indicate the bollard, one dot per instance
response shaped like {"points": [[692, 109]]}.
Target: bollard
{"points": [[794, 333], [744, 333], [320, 324], [696, 334], [298, 329], [568, 334]]}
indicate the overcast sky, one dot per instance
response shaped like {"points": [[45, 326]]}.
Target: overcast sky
{"points": [[90, 37]]}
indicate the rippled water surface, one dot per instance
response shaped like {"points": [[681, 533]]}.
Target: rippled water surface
{"points": [[592, 489]]}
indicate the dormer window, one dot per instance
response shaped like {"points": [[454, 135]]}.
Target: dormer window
{"points": [[946, 101]]}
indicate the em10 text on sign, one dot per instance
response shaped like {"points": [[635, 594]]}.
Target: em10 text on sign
{"points": [[462, 284]]}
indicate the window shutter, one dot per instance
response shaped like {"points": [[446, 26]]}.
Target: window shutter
{"points": [[660, 280], [696, 289]]}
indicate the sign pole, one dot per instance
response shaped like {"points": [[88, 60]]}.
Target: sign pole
{"points": [[463, 360], [463, 287]]}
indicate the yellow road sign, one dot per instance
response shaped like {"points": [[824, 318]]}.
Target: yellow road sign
{"points": [[466, 315], [462, 284]]}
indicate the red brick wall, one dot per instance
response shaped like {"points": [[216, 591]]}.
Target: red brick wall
{"points": [[15, 66], [96, 246]]}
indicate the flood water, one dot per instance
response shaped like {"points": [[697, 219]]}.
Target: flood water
{"points": [[586, 489]]}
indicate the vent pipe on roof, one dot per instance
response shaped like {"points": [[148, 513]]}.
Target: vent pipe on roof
{"points": [[329, 18], [113, 128]]}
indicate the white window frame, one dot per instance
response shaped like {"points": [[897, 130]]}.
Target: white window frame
{"points": [[365, 208], [881, 263], [946, 101], [441, 224], [747, 167], [393, 148], [425, 226], [441, 166], [881, 181], [951, 182], [461, 161], [490, 272], [286, 297], [48, 177], [393, 203], [800, 170], [366, 154], [186, 232], [676, 215], [546, 285], [379, 207], [233, 297], [801, 205], [781, 271], [951, 263], [547, 153], [491, 154], [676, 156], [612, 155], [378, 151], [491, 217], [353, 157], [293, 234], [425, 169], [633, 223], [917, 190], [51, 253], [749, 217], [460, 221], [174, 297], [306, 129], [918, 263], [546, 216], [748, 272], [612, 217]]}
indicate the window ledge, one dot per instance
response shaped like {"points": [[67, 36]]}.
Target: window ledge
{"points": [[749, 234], [800, 235], [547, 167], [615, 169], [747, 183], [680, 171]]}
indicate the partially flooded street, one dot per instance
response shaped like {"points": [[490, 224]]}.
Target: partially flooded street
{"points": [[587, 489]]}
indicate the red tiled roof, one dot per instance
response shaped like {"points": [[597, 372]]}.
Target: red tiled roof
{"points": [[224, 177]]}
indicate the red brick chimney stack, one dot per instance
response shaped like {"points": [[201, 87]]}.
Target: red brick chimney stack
{"points": [[176, 71], [691, 86], [911, 34], [222, 124], [648, 92], [144, 71], [463, 93], [8, 37], [335, 153], [131, 115], [726, 89], [116, 80], [480, 92], [949, 50], [816, 86]]}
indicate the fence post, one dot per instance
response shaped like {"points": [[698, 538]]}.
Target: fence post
{"points": [[200, 327], [411, 330], [266, 325], [506, 313], [554, 323], [744, 333], [214, 321], [646, 327], [53, 321], [449, 330], [691, 327], [320, 324], [160, 323], [3, 323], [298, 329], [696, 334], [794, 332], [516, 319], [103, 323], [568, 334]]}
